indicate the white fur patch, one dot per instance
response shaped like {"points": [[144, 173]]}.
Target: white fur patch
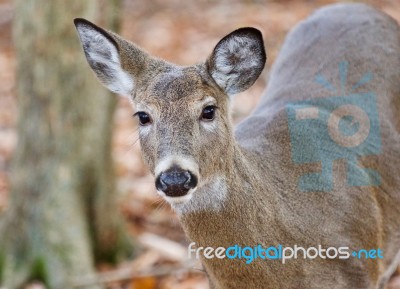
{"points": [[210, 195], [101, 51], [178, 200], [183, 163], [210, 126]]}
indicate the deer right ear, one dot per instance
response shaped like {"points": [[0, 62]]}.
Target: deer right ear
{"points": [[237, 60], [103, 55]]}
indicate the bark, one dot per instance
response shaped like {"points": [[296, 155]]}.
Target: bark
{"points": [[62, 215]]}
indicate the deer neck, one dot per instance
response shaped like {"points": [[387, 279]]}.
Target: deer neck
{"points": [[230, 206]]}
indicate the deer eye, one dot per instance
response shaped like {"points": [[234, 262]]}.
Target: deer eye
{"points": [[144, 118], [208, 112]]}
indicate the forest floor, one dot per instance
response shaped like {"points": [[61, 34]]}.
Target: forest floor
{"points": [[183, 32]]}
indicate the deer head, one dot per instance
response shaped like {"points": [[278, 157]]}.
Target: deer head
{"points": [[184, 112]]}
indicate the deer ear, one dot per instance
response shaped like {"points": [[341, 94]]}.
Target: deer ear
{"points": [[103, 55], [237, 60]]}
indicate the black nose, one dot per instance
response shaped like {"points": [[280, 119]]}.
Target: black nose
{"points": [[176, 182]]}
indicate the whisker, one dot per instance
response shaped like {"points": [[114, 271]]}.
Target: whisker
{"points": [[161, 204]]}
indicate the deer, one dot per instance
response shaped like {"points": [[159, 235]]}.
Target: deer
{"points": [[333, 95]]}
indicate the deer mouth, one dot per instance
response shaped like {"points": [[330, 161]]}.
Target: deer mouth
{"points": [[179, 200]]}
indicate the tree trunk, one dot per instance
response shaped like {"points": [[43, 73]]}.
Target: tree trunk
{"points": [[62, 214]]}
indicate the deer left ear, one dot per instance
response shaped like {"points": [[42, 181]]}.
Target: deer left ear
{"points": [[237, 60], [103, 55]]}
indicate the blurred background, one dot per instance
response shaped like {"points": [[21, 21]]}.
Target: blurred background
{"points": [[78, 208]]}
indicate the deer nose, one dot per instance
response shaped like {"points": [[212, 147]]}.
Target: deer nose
{"points": [[176, 182]]}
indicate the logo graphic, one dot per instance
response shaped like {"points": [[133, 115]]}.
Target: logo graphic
{"points": [[282, 253], [344, 126]]}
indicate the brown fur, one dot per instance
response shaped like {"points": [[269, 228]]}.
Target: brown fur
{"points": [[263, 204]]}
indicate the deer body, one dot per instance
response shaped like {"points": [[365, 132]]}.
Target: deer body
{"points": [[242, 187]]}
